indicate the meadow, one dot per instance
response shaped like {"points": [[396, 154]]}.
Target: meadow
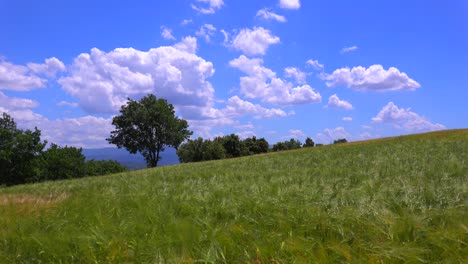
{"points": [[394, 200]]}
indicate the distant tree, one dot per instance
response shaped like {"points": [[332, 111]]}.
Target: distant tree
{"points": [[255, 146], [103, 167], [63, 163], [308, 142], [191, 151], [233, 145], [148, 126], [287, 145], [213, 150], [341, 140], [19, 152]]}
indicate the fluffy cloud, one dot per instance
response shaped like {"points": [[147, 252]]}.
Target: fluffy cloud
{"points": [[65, 103], [267, 15], [347, 118], [374, 78], [296, 133], [12, 103], [405, 119], [290, 4], [315, 64], [18, 77], [86, 132], [329, 135], [254, 41], [349, 49], [50, 67], [246, 126], [206, 31], [335, 102], [263, 84], [213, 5], [102, 81], [296, 74], [186, 22], [167, 33], [237, 107]]}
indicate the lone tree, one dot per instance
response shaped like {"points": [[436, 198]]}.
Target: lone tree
{"points": [[148, 126]]}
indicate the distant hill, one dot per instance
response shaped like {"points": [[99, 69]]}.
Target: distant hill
{"points": [[131, 161]]}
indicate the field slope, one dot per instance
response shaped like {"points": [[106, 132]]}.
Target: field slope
{"points": [[395, 200]]}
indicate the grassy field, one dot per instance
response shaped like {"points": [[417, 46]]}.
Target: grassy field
{"points": [[395, 200]]}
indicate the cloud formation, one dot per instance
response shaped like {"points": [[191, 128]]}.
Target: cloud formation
{"points": [[329, 135], [13, 103], [262, 83], [213, 5], [290, 4], [404, 119], [374, 78], [315, 64], [254, 41], [267, 15], [349, 49], [206, 31], [335, 102], [19, 78], [296, 74], [167, 33], [50, 67], [102, 81]]}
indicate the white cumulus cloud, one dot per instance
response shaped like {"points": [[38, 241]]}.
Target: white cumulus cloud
{"points": [[374, 78], [254, 41], [290, 4], [296, 74], [315, 64], [262, 83], [329, 135], [347, 118], [267, 15], [50, 67], [237, 107], [405, 119], [335, 102], [13, 103], [206, 31], [167, 33], [210, 6], [102, 81], [19, 77]]}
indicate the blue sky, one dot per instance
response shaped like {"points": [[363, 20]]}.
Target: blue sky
{"points": [[275, 69]]}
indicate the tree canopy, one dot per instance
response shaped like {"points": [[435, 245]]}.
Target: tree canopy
{"points": [[148, 126]]}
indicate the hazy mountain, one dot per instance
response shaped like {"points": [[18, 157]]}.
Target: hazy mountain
{"points": [[131, 161]]}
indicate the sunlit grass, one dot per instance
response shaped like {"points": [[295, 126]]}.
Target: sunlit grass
{"points": [[395, 200]]}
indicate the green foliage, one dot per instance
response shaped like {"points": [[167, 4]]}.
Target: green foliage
{"points": [[339, 141], [103, 167], [19, 153], [221, 147], [148, 126], [255, 146], [308, 143], [201, 150], [63, 163], [287, 145], [232, 144], [396, 200]]}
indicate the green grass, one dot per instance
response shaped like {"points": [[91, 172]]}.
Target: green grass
{"points": [[395, 200]]}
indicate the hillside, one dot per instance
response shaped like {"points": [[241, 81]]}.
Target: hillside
{"points": [[394, 200]]}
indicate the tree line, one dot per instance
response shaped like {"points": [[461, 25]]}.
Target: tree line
{"points": [[25, 159], [146, 126]]}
